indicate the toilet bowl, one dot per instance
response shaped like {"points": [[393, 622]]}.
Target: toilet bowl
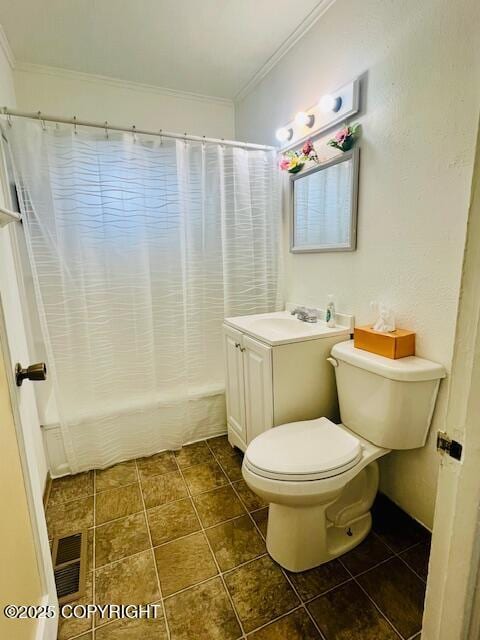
{"points": [[320, 478], [320, 481]]}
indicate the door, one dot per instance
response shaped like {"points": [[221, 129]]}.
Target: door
{"points": [[257, 364], [34, 535], [234, 385], [15, 348], [452, 606]]}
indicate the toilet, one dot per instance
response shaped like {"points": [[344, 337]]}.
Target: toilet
{"points": [[320, 478]]}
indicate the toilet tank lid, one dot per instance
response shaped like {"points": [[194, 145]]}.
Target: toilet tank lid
{"points": [[409, 369]]}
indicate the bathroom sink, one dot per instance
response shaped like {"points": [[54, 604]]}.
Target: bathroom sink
{"points": [[288, 324], [281, 327]]}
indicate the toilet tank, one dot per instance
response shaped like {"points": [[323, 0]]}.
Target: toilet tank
{"points": [[388, 402]]}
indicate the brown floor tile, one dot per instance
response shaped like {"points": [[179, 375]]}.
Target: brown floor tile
{"points": [[232, 466], [183, 563], [399, 594], [394, 527], [85, 636], [69, 488], [191, 454], [296, 626], [248, 497], [142, 629], [202, 613], [132, 580], [368, 554], [70, 627], [260, 592], [221, 447], [261, 518], [163, 489], [121, 538], [171, 521], [218, 505], [316, 581], [235, 542], [204, 477], [117, 503], [117, 476], [417, 558], [156, 465], [347, 614], [70, 516]]}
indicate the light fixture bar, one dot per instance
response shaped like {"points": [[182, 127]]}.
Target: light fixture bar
{"points": [[343, 103]]}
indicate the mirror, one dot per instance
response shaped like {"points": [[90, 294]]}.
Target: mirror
{"points": [[324, 206]]}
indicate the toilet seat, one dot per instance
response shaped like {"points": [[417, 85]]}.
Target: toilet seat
{"points": [[303, 451]]}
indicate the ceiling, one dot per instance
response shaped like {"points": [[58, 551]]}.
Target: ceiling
{"points": [[212, 47]]}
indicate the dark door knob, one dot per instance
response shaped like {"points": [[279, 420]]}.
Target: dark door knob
{"points": [[36, 371]]}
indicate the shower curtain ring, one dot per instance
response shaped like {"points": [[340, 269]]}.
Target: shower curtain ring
{"points": [[44, 126], [161, 137], [106, 129], [75, 125], [185, 138], [134, 129]]}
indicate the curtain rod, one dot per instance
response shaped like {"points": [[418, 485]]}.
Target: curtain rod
{"points": [[7, 216], [133, 129]]}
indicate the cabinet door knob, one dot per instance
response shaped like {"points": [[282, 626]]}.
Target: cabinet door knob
{"points": [[237, 344], [242, 349]]}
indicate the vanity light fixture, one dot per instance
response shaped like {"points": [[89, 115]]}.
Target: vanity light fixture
{"points": [[304, 119], [330, 103], [284, 134]]}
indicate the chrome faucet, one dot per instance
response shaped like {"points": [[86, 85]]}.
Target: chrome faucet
{"points": [[304, 314]]}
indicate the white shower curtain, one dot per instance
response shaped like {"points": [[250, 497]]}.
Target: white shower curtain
{"points": [[138, 248]]}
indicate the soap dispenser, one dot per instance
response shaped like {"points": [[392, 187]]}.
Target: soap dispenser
{"points": [[330, 315]]}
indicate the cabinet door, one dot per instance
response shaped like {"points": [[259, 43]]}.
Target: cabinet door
{"points": [[257, 364], [234, 385]]}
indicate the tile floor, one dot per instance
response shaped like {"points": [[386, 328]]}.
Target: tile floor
{"points": [[182, 529]]}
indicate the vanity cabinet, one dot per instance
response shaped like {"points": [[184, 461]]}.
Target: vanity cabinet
{"points": [[270, 385]]}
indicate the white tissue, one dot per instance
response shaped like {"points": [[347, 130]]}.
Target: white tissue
{"points": [[385, 321]]}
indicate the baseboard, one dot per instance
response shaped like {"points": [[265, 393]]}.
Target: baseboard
{"points": [[47, 489], [47, 628]]}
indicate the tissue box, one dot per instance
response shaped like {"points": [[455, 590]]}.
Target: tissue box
{"points": [[397, 344]]}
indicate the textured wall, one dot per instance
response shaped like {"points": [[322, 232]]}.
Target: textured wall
{"points": [[64, 93], [422, 99]]}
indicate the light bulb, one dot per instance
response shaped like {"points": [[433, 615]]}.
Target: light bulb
{"points": [[330, 103], [304, 119], [284, 134]]}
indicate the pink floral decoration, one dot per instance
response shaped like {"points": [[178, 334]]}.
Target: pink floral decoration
{"points": [[342, 134], [307, 148]]}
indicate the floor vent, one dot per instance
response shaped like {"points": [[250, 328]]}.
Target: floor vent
{"points": [[69, 554]]}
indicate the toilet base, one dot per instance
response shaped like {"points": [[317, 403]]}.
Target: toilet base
{"points": [[298, 539], [301, 536]]}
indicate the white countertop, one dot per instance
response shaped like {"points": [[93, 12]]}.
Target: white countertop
{"points": [[280, 327]]}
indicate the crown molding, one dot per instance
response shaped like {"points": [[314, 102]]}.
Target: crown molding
{"points": [[305, 26], [58, 72], [7, 50]]}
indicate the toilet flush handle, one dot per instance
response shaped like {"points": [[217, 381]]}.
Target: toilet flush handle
{"points": [[333, 362]]}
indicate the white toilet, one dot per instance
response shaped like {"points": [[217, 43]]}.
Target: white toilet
{"points": [[321, 478]]}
